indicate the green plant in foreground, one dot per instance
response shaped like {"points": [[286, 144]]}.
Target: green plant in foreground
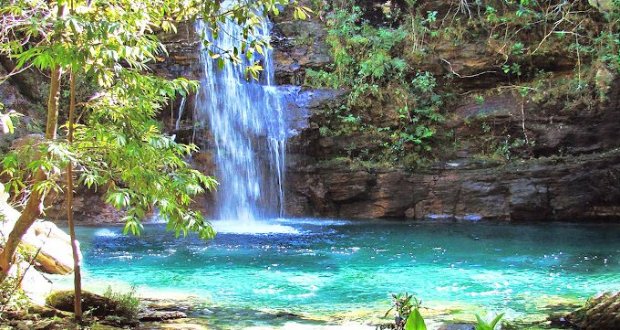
{"points": [[415, 321], [127, 304], [407, 310], [12, 297], [484, 325]]}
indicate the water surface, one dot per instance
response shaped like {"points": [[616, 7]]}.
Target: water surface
{"points": [[324, 267]]}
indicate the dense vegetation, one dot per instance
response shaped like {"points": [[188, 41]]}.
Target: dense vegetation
{"points": [[395, 60]]}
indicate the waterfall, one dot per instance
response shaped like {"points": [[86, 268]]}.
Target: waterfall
{"points": [[246, 121], [177, 125]]}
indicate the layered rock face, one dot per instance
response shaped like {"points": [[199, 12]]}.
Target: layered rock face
{"points": [[584, 187], [569, 170], [572, 174]]}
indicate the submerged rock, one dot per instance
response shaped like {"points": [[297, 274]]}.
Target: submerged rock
{"points": [[457, 326]]}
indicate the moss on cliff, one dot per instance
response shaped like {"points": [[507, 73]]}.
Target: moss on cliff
{"points": [[431, 80]]}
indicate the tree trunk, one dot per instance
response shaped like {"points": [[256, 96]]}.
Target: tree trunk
{"points": [[27, 218], [34, 206], [52, 104], [77, 282]]}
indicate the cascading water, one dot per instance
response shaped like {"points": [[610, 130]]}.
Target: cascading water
{"points": [[177, 125], [246, 120]]}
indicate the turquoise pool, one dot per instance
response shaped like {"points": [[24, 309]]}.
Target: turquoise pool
{"points": [[324, 267]]}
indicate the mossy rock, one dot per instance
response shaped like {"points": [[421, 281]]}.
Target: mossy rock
{"points": [[92, 304]]}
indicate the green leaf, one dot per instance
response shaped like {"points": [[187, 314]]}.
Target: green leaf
{"points": [[484, 325], [496, 320], [7, 124], [299, 14], [415, 321]]}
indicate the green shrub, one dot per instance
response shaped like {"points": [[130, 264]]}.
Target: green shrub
{"points": [[127, 304], [407, 312], [12, 297]]}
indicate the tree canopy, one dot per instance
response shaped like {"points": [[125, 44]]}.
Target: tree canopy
{"points": [[118, 144]]}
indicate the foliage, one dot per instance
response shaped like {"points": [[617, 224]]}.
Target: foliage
{"points": [[127, 304], [12, 297], [407, 312], [368, 60], [6, 120], [426, 102], [415, 321], [484, 325], [387, 62], [119, 147]]}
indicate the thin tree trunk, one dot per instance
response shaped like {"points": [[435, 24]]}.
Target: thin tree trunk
{"points": [[77, 282], [52, 104], [75, 247], [34, 206]]}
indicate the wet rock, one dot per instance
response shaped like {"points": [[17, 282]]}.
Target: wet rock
{"points": [[348, 187], [299, 45], [600, 313], [88, 206], [184, 57]]}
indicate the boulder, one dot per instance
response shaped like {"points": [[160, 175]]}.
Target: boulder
{"points": [[97, 305], [115, 310], [600, 313], [49, 244]]}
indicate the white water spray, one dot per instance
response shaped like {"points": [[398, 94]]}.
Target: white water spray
{"points": [[247, 123]]}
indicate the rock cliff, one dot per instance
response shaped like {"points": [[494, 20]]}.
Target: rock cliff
{"points": [[549, 155], [499, 154]]}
